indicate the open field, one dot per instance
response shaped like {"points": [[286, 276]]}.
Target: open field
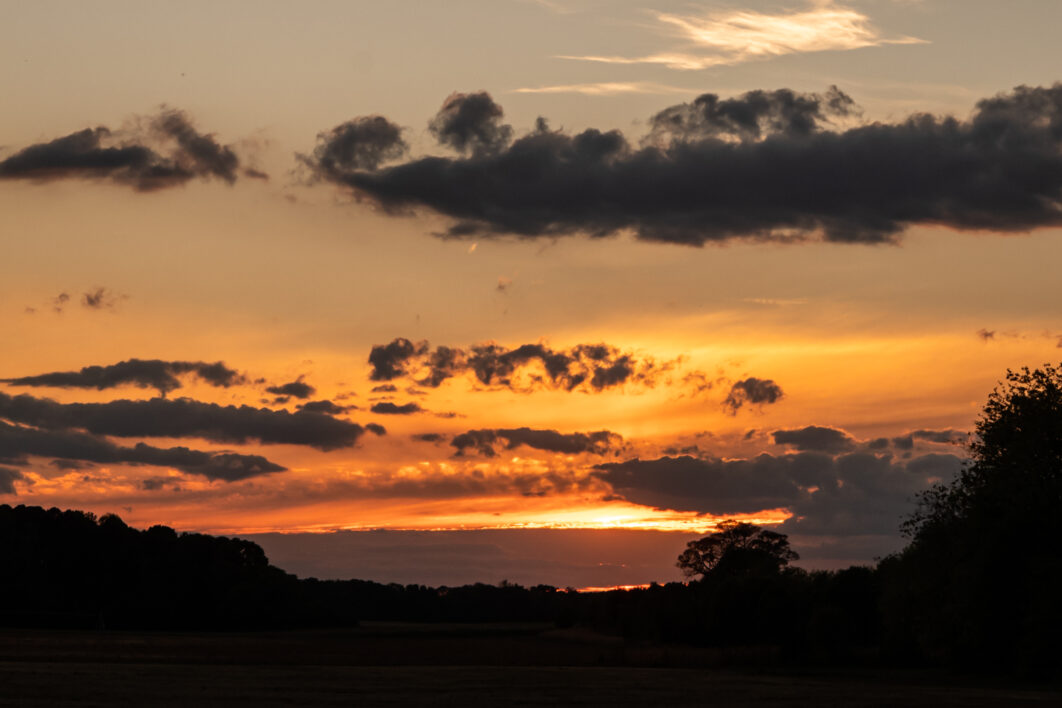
{"points": [[398, 665]]}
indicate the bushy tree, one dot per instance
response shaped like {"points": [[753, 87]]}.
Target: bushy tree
{"points": [[737, 548], [979, 583]]}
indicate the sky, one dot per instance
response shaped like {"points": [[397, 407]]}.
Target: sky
{"points": [[529, 290]]}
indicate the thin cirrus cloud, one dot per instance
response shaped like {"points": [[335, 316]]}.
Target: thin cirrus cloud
{"points": [[766, 166], [728, 37], [608, 88]]}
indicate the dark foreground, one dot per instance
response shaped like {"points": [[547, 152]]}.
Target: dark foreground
{"points": [[399, 665]]}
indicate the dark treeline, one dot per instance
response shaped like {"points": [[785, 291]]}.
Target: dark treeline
{"points": [[979, 586]]}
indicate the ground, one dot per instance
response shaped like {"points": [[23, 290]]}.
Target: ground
{"points": [[407, 665]]}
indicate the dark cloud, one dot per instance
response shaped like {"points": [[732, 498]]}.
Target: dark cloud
{"points": [[903, 442], [186, 418], [762, 166], [815, 438], [389, 360], [944, 437], [751, 116], [430, 437], [388, 408], [486, 441], [143, 373], [470, 123], [325, 406], [754, 391], [587, 367], [986, 335], [298, 389], [8, 477], [850, 493], [167, 151], [100, 299], [360, 144], [384, 388], [76, 446]]}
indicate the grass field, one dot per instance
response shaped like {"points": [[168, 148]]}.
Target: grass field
{"points": [[408, 665]]}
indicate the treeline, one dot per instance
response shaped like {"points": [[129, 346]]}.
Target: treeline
{"points": [[70, 569]]}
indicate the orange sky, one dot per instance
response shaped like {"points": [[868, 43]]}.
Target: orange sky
{"points": [[817, 385]]}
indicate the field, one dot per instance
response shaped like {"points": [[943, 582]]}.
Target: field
{"points": [[407, 665]]}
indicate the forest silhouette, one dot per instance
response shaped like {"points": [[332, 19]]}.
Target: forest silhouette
{"points": [[976, 588]]}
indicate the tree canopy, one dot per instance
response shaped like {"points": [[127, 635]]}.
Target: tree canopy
{"points": [[737, 548]]}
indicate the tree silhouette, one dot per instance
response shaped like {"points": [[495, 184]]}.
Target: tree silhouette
{"points": [[737, 548], [979, 583]]}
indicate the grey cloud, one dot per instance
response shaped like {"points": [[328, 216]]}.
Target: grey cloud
{"points": [[186, 418], [97, 153], [71, 445], [486, 441], [752, 116], [143, 373], [470, 122], [592, 367], [752, 390], [360, 144], [325, 406], [388, 408], [758, 167], [100, 299], [297, 388], [851, 493], [815, 438], [943, 437], [8, 477]]}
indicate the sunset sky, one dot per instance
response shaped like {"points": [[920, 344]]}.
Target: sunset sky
{"points": [[535, 290]]}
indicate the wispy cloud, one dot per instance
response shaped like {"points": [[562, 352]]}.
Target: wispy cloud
{"points": [[608, 88], [727, 37]]}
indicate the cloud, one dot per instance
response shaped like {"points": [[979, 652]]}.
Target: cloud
{"points": [[486, 441], [297, 388], [71, 445], [528, 367], [186, 418], [8, 477], [726, 37], [986, 335], [325, 406], [101, 299], [388, 408], [166, 151], [608, 88], [815, 438], [142, 373], [844, 494], [360, 144], [776, 174], [754, 391], [471, 123]]}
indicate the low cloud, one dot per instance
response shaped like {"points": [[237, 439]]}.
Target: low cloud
{"points": [[764, 166], [847, 493], [584, 367], [163, 376], [487, 442], [8, 477], [325, 406], [69, 446], [164, 151], [388, 408], [187, 418], [815, 438], [298, 389]]}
